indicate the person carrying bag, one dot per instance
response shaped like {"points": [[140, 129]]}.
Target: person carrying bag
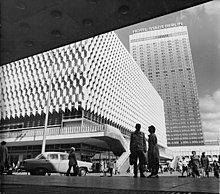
{"points": [[138, 150]]}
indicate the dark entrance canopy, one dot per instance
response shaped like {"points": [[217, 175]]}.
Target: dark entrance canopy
{"points": [[29, 27]]}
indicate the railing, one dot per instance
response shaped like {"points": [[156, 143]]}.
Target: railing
{"points": [[21, 133], [81, 129]]}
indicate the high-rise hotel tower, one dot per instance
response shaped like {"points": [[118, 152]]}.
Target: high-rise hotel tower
{"points": [[164, 54]]}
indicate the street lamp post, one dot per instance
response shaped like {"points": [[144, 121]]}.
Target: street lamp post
{"points": [[48, 103]]}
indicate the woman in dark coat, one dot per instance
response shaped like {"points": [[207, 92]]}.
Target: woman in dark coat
{"points": [[72, 162], [153, 153], [205, 164]]}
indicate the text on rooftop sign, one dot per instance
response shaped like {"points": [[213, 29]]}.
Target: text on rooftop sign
{"points": [[158, 27]]}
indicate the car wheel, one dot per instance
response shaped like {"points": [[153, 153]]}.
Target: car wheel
{"points": [[40, 171], [82, 172]]}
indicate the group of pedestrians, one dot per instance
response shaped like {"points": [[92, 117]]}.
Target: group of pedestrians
{"points": [[108, 167], [151, 159], [197, 167], [138, 150]]}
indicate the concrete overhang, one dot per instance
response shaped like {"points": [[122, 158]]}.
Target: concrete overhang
{"points": [[106, 137], [29, 27]]}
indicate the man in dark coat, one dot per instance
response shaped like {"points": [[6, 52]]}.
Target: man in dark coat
{"points": [[72, 162], [138, 149], [111, 167], [195, 163], [3, 156]]}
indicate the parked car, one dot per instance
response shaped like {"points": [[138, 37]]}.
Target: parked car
{"points": [[54, 162]]}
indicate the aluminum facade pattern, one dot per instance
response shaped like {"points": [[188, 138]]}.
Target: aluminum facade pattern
{"points": [[97, 74]]}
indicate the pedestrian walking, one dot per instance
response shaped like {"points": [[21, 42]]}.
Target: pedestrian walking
{"points": [[205, 165], [153, 153], [161, 169], [184, 166], [189, 169], [216, 168], [195, 163], [72, 162], [103, 168], [138, 150], [170, 167], [111, 167], [3, 156], [180, 165], [116, 167]]}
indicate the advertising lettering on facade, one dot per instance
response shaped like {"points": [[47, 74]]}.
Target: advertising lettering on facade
{"points": [[158, 27]]}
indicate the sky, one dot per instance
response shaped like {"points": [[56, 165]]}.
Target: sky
{"points": [[203, 23]]}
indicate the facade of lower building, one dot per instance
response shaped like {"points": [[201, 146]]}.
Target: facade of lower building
{"points": [[94, 92]]}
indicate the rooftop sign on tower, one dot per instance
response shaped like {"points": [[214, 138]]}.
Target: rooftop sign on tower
{"points": [[158, 27]]}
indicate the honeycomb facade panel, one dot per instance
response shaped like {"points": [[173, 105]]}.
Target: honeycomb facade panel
{"points": [[97, 75]]}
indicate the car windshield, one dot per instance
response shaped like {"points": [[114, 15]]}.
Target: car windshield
{"points": [[40, 156]]}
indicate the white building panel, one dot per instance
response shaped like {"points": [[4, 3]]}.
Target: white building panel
{"points": [[97, 74]]}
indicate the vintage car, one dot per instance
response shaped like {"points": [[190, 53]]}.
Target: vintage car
{"points": [[54, 162]]}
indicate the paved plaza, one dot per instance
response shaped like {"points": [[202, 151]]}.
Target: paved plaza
{"points": [[120, 184]]}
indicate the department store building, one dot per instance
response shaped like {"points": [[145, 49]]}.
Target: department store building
{"points": [[95, 94]]}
